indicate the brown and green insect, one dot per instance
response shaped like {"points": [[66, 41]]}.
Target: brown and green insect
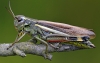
{"points": [[49, 32]]}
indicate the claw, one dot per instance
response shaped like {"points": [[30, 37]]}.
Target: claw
{"points": [[9, 47]]}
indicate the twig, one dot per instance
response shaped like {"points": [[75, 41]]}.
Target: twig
{"points": [[24, 48]]}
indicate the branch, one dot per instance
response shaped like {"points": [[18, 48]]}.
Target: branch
{"points": [[24, 48]]}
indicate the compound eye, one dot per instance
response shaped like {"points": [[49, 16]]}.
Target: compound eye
{"points": [[20, 19]]}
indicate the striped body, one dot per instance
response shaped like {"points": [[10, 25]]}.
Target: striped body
{"points": [[53, 32]]}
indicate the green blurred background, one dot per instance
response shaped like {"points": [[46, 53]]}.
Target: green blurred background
{"points": [[83, 13]]}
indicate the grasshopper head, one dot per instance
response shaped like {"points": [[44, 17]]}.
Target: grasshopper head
{"points": [[22, 23], [19, 22]]}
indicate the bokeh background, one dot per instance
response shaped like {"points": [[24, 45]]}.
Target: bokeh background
{"points": [[83, 13]]}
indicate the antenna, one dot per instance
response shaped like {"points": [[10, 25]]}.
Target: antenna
{"points": [[10, 11]]}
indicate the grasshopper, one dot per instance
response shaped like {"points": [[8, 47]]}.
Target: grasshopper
{"points": [[49, 32]]}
